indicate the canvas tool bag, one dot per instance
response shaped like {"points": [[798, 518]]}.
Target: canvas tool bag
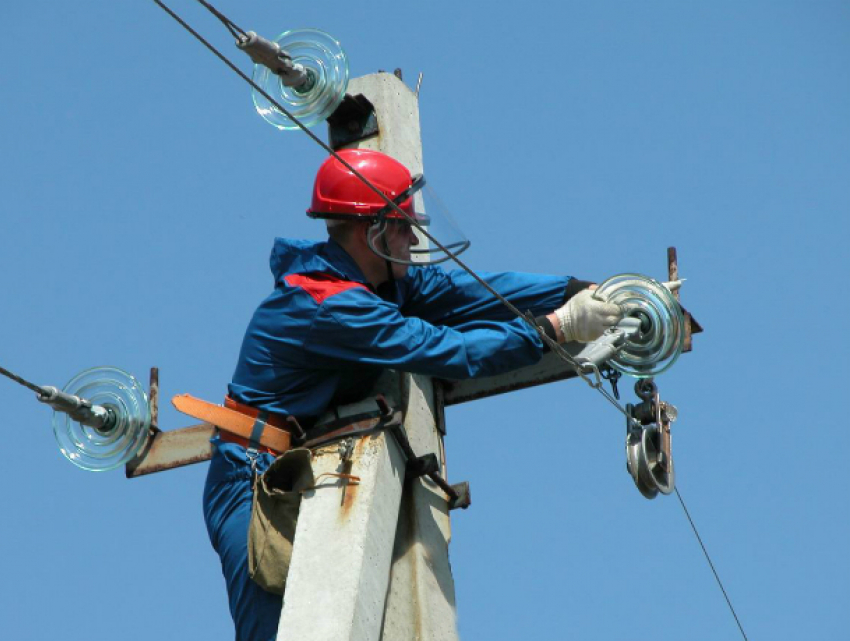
{"points": [[274, 513], [277, 492]]}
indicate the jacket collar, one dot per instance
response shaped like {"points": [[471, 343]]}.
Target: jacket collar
{"points": [[307, 256]]}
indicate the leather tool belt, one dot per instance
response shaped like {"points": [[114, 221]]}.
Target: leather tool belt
{"points": [[244, 425], [276, 434]]}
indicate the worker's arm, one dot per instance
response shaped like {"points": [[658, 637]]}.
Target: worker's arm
{"points": [[454, 297], [359, 328]]}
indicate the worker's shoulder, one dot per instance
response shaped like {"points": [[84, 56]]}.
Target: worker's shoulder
{"points": [[321, 286]]}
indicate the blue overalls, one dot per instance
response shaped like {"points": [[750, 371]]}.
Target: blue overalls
{"points": [[322, 338]]}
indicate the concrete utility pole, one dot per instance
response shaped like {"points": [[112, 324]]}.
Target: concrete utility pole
{"points": [[370, 561]]}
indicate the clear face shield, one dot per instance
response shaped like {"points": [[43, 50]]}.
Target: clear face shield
{"points": [[424, 236]]}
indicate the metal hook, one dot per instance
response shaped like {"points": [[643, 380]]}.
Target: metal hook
{"points": [[586, 367]]}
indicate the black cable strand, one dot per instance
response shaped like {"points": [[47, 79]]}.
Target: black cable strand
{"points": [[708, 558], [35, 388], [234, 33], [224, 19]]}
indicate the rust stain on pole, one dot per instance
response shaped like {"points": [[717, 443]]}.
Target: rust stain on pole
{"points": [[349, 495], [349, 490]]}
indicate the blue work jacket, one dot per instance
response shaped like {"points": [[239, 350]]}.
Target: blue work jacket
{"points": [[324, 335]]}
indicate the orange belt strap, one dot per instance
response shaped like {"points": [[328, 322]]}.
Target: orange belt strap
{"points": [[241, 420]]}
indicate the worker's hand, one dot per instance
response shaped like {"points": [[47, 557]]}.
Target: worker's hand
{"points": [[584, 318]]}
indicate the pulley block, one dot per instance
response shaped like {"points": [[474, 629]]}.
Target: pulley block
{"points": [[649, 458], [650, 468], [117, 428], [322, 59], [656, 345]]}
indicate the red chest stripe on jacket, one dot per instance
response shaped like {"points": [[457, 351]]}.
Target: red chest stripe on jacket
{"points": [[320, 286]]}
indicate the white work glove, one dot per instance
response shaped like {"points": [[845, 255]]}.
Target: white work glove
{"points": [[584, 318]]}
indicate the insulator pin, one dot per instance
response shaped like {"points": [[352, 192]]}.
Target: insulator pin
{"points": [[79, 409]]}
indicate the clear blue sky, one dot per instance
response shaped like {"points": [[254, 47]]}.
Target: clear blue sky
{"points": [[141, 194]]}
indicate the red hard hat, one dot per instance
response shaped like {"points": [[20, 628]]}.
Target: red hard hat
{"points": [[338, 193]]}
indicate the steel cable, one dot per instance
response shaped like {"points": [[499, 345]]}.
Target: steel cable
{"points": [[232, 27], [711, 565], [22, 381]]}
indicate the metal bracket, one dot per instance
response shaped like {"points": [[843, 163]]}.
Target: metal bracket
{"points": [[463, 499], [172, 449], [422, 465], [354, 120], [428, 465], [691, 325]]}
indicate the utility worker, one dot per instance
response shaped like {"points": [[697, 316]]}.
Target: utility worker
{"points": [[345, 309]]}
